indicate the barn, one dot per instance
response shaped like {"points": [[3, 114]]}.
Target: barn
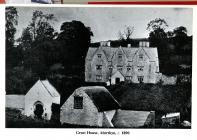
{"points": [[89, 106], [40, 100]]}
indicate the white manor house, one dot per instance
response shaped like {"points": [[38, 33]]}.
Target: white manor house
{"points": [[116, 64]]}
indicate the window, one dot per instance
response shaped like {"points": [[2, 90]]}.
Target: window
{"points": [[98, 67], [78, 102], [140, 68], [110, 67], [128, 68], [140, 56], [140, 79], [128, 78], [99, 55], [119, 68], [149, 68], [99, 77], [120, 56]]}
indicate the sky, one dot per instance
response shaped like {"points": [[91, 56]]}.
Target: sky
{"points": [[106, 22]]}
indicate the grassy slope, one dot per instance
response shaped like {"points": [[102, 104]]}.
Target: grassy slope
{"points": [[169, 98]]}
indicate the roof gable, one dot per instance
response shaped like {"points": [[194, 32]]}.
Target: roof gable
{"points": [[50, 89], [47, 87], [127, 51]]}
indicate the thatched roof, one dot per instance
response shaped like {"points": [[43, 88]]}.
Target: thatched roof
{"points": [[102, 98], [133, 119]]}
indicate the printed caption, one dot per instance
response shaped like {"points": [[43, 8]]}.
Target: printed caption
{"points": [[90, 132]]}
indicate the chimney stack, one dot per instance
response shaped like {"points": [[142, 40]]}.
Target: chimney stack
{"points": [[105, 43], [144, 44]]}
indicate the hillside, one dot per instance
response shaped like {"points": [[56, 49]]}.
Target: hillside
{"points": [[159, 98]]}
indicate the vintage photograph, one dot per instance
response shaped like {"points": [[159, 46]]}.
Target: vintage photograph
{"points": [[98, 67]]}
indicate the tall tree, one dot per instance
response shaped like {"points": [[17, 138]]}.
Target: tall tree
{"points": [[75, 37], [180, 38], [11, 23], [157, 35], [40, 27]]}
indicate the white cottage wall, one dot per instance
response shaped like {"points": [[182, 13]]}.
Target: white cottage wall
{"points": [[38, 93], [89, 115]]}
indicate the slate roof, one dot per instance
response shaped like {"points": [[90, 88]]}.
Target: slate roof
{"points": [[129, 52], [50, 89], [101, 97]]}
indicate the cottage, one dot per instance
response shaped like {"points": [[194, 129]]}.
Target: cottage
{"points": [[133, 119], [136, 64], [40, 99], [90, 106]]}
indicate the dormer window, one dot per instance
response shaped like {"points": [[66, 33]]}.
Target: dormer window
{"points": [[98, 67], [78, 102], [99, 55]]}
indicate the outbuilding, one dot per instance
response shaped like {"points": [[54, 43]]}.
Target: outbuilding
{"points": [[89, 106], [40, 99]]}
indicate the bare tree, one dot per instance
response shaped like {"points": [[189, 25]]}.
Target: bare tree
{"points": [[127, 33]]}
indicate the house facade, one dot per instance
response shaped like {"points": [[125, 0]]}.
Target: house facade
{"points": [[40, 99], [89, 106], [116, 64]]}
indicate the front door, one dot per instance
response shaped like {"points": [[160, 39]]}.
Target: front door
{"points": [[117, 80], [140, 79], [38, 110]]}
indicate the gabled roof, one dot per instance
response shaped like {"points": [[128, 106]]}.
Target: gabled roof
{"points": [[50, 89], [116, 72], [129, 52], [101, 97]]}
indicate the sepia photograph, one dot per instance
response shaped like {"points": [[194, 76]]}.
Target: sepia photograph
{"points": [[98, 67]]}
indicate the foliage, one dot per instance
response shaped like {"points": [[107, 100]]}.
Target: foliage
{"points": [[10, 28], [75, 39], [159, 98]]}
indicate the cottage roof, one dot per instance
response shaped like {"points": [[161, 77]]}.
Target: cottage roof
{"points": [[102, 98], [50, 89], [132, 119]]}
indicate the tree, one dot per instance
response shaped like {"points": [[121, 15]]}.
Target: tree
{"points": [[75, 38], [180, 31], [180, 38], [40, 27], [156, 24], [11, 23], [157, 35], [26, 39], [13, 54], [126, 34]]}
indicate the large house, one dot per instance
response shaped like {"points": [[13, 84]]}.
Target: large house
{"points": [[116, 64]]}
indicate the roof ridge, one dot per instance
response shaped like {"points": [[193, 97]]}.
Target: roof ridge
{"points": [[46, 88]]}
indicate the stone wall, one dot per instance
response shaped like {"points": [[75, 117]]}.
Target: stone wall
{"points": [[15, 101]]}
